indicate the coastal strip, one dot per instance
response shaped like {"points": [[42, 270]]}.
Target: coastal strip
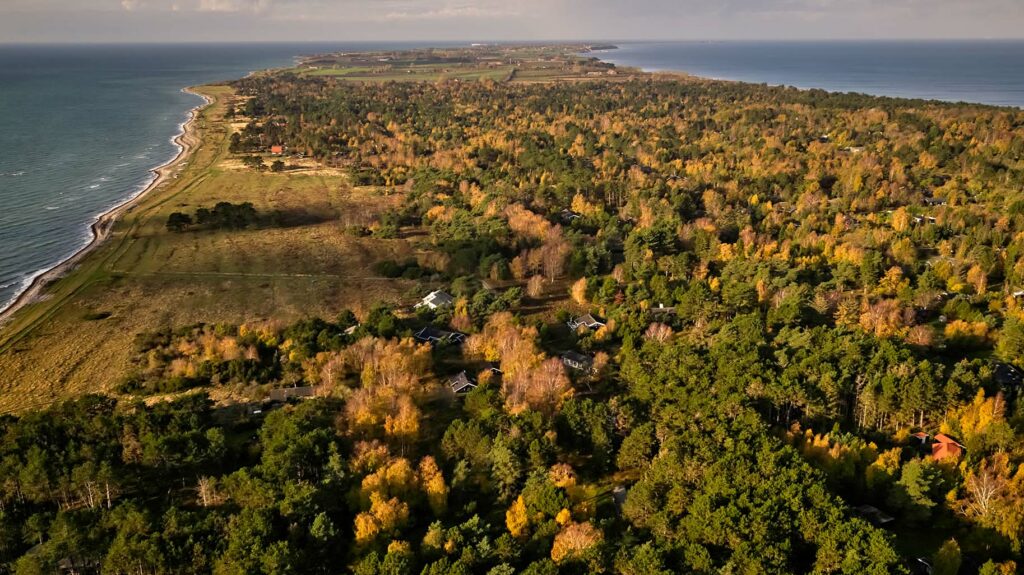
{"points": [[187, 140]]}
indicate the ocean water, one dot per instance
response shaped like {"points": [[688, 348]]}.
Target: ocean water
{"points": [[987, 72], [82, 126]]}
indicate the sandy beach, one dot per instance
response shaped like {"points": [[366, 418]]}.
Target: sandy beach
{"points": [[187, 141]]}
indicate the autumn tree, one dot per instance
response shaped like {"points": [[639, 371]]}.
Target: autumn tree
{"points": [[575, 542], [433, 484], [516, 518]]}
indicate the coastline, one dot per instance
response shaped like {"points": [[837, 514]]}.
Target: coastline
{"points": [[186, 140]]}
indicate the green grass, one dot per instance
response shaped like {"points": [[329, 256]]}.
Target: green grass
{"points": [[419, 73], [540, 64], [346, 71]]}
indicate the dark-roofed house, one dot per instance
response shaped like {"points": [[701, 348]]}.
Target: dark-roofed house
{"points": [[874, 515], [578, 361], [1009, 378], [461, 383], [568, 215], [283, 394], [436, 299], [588, 321], [75, 565], [434, 336], [945, 447]]}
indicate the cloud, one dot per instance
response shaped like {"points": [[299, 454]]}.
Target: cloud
{"points": [[352, 20], [233, 5], [345, 10], [470, 11], [253, 6]]}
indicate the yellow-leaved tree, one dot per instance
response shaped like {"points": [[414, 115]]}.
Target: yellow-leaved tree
{"points": [[433, 485], [516, 518]]}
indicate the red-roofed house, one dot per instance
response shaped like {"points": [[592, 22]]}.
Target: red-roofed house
{"points": [[946, 447], [277, 150]]}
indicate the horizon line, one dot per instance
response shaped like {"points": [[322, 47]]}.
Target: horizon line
{"points": [[502, 42]]}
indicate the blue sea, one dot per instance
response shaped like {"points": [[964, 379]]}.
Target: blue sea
{"points": [[987, 72], [81, 127]]}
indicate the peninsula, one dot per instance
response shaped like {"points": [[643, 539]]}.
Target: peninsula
{"points": [[513, 309]]}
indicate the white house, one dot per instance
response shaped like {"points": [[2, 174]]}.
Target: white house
{"points": [[588, 321], [436, 299]]}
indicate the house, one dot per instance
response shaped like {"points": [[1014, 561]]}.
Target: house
{"points": [[283, 394], [277, 150], [874, 515], [434, 336], [619, 494], [921, 437], [436, 299], [1009, 378], [461, 383], [568, 215], [578, 361], [945, 447], [75, 566], [588, 321], [662, 309]]}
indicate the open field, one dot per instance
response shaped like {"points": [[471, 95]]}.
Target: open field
{"points": [[524, 64], [146, 277]]}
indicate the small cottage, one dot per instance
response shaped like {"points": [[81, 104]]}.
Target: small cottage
{"points": [[283, 394], [461, 384], [436, 299], [434, 336], [578, 361], [588, 321], [876, 516], [568, 216], [945, 447]]}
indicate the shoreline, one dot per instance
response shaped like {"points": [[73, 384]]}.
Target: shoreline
{"points": [[186, 140]]}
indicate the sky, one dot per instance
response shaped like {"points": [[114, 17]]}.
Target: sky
{"points": [[497, 20]]}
